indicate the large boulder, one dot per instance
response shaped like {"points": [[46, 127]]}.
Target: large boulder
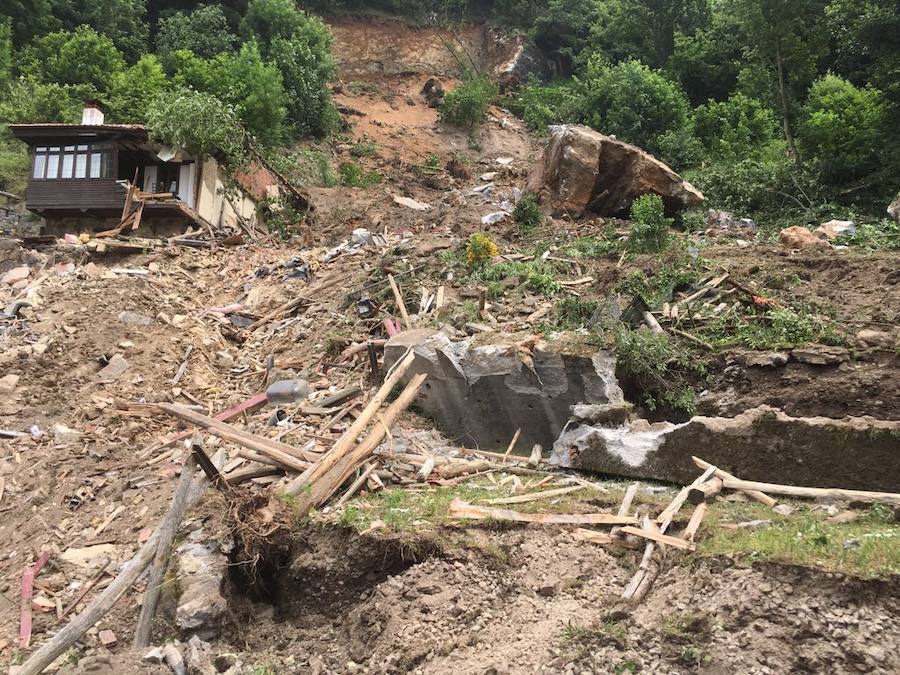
{"points": [[894, 208], [584, 171], [481, 389], [762, 444]]}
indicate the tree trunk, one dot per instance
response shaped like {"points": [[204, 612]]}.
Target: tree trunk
{"points": [[782, 100]]}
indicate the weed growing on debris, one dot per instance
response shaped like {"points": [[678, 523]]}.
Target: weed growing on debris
{"points": [[574, 313], [537, 276], [594, 247], [353, 175], [479, 250], [674, 274], [659, 368], [527, 213], [884, 235], [649, 230], [467, 105], [782, 328]]}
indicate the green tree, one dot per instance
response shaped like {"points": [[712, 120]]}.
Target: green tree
{"points": [[204, 31], [29, 19], [843, 129], [645, 29], [135, 88], [735, 128], [563, 29], [783, 43], [306, 66], [199, 123], [243, 80], [634, 102], [73, 58], [5, 53], [707, 62], [267, 20], [29, 100], [123, 21]]}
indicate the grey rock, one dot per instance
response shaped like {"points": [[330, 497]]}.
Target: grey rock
{"points": [[130, 318], [287, 391], [771, 359], [114, 369], [481, 389], [819, 355], [894, 209], [201, 570]]}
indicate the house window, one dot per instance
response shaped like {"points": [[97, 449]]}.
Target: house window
{"points": [[73, 161]]}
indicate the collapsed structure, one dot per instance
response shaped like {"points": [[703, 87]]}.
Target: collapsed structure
{"points": [[94, 176]]}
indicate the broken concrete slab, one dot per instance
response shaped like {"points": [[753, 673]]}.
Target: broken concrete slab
{"points": [[762, 444], [201, 607], [582, 170], [482, 389]]}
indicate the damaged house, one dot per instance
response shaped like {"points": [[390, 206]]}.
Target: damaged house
{"points": [[95, 176]]}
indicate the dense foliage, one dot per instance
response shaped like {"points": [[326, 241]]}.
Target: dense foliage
{"points": [[266, 62], [780, 110]]}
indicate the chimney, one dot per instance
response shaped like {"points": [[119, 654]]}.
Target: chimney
{"points": [[92, 115]]}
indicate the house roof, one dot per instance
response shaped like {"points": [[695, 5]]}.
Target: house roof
{"points": [[40, 130]]}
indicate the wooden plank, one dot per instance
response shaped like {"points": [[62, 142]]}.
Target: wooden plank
{"points": [[891, 498], [761, 497], [25, 616], [465, 511], [535, 496], [659, 538], [400, 304], [296, 458], [512, 444], [708, 491], [669, 512], [592, 536], [694, 524]]}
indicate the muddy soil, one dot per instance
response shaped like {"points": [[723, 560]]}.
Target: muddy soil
{"points": [[523, 600]]}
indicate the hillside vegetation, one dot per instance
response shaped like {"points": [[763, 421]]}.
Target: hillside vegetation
{"points": [[785, 110]]}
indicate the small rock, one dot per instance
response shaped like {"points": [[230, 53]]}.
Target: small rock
{"points": [[875, 338], [89, 556], [821, 355], [287, 391], [169, 655], [800, 238], [843, 517], [15, 274], [114, 369], [8, 384], [836, 228], [63, 435], [107, 638], [770, 359], [224, 360], [783, 509], [494, 218], [134, 318]]}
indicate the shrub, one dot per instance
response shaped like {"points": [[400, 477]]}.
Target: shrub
{"points": [[649, 230], [528, 212], [659, 368], [353, 175], [204, 31], [467, 105], [81, 57], [542, 105], [634, 102], [135, 88], [573, 313], [843, 129], [735, 128], [479, 250]]}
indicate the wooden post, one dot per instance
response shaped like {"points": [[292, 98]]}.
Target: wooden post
{"points": [[698, 494], [761, 497], [512, 444], [891, 498], [400, 304], [694, 524]]}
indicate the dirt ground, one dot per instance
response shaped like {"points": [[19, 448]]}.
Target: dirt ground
{"points": [[465, 599]]}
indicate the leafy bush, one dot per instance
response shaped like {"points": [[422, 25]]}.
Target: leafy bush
{"points": [[735, 128], [467, 105], [884, 235], [649, 229], [593, 247], [659, 368], [632, 101], [480, 249], [198, 122], [528, 212], [135, 88], [353, 175], [543, 105], [842, 129], [81, 57], [574, 313]]}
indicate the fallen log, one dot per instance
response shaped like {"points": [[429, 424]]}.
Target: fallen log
{"points": [[536, 496], [243, 475], [694, 523], [761, 497], [659, 538], [323, 488], [891, 498], [465, 511], [167, 531], [705, 492], [399, 300]]}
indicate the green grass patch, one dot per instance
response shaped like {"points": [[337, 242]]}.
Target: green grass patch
{"points": [[353, 175], [868, 547]]}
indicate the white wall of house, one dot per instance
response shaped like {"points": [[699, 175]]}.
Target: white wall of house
{"points": [[212, 203], [187, 183]]}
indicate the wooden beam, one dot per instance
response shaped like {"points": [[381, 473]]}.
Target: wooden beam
{"points": [[694, 524], [891, 498], [761, 497], [400, 304], [535, 496], [705, 492], [659, 538], [465, 511]]}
